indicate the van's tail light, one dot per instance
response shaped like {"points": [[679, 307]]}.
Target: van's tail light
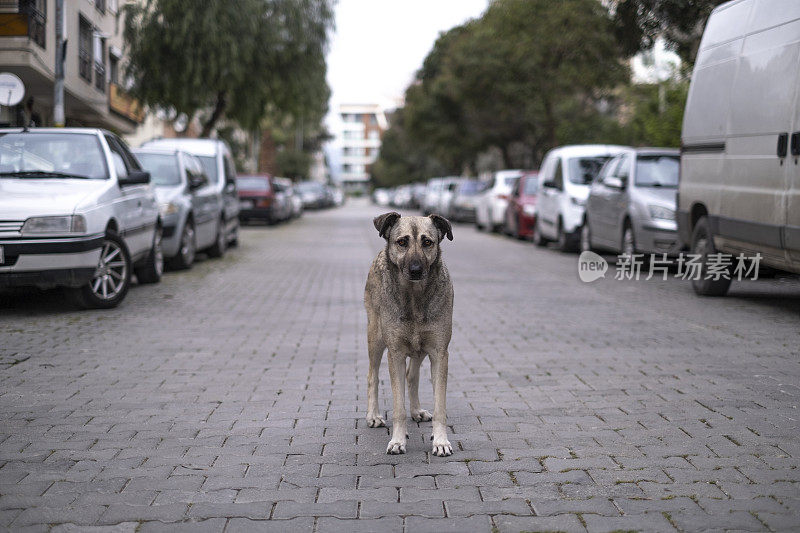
{"points": [[502, 197], [264, 202]]}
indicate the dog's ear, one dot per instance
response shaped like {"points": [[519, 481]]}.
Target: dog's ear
{"points": [[384, 223], [444, 227]]}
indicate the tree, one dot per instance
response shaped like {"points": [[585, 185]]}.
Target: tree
{"points": [[400, 159], [241, 60], [680, 22]]}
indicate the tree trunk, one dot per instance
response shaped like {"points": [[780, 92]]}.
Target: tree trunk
{"points": [[219, 110]]}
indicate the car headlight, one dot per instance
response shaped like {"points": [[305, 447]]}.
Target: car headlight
{"points": [[168, 208], [661, 212], [529, 209], [61, 224], [577, 201]]}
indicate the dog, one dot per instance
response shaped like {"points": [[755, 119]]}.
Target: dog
{"points": [[409, 302]]}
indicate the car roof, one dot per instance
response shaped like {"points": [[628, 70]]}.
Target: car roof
{"points": [[657, 151], [94, 131], [161, 151], [266, 177], [201, 147], [578, 150]]}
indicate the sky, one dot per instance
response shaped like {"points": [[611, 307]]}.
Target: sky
{"points": [[379, 44]]}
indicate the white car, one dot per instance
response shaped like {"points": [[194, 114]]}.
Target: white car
{"points": [[76, 210], [565, 178], [491, 204]]}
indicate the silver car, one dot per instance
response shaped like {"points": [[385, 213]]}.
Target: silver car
{"points": [[188, 205], [631, 205]]}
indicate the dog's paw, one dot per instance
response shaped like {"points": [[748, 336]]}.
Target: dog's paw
{"points": [[376, 421], [421, 416], [396, 447], [442, 448]]}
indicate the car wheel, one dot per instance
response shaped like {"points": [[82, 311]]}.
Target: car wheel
{"points": [[187, 250], [538, 238], [628, 245], [703, 245], [563, 242], [111, 279], [234, 240], [153, 267], [221, 241], [586, 237]]}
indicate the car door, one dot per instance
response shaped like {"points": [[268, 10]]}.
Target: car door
{"points": [[229, 193], [617, 202], [136, 210], [792, 230], [597, 208], [552, 190], [205, 205]]}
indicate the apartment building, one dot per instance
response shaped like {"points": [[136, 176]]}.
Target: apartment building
{"points": [[359, 139], [93, 85]]}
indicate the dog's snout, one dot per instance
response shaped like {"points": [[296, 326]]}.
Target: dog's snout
{"points": [[415, 268]]}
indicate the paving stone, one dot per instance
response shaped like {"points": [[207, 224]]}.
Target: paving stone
{"points": [[293, 525]]}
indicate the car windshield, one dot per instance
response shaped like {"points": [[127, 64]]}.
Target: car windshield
{"points": [[657, 171], [58, 155], [531, 185], [163, 168], [469, 188], [209, 163], [252, 184], [583, 170], [309, 186]]}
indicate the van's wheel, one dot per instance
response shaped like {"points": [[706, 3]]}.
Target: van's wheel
{"points": [[538, 238], [221, 242], [188, 248], [563, 242], [586, 237], [153, 267], [111, 278], [703, 245]]}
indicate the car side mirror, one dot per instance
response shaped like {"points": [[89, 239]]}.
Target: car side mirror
{"points": [[550, 184], [135, 177], [197, 181], [614, 182]]}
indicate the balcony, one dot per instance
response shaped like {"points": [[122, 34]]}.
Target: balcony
{"points": [[21, 18], [123, 104]]}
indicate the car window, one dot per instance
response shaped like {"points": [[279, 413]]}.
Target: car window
{"points": [[118, 157], [78, 154], [531, 185], [209, 163], [583, 170], [230, 170], [558, 175], [608, 169], [624, 168], [163, 168], [657, 171]]}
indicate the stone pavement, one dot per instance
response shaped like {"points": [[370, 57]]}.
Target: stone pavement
{"points": [[232, 398]]}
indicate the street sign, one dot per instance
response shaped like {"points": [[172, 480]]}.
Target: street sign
{"points": [[11, 89]]}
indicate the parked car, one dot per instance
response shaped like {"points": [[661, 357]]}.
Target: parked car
{"points": [[217, 161], [521, 211], [284, 207], [294, 197], [381, 196], [337, 193], [187, 203], [631, 204], [77, 211], [313, 194], [446, 195], [490, 206], [462, 207], [433, 190], [417, 195], [740, 176], [259, 199], [402, 196], [564, 180]]}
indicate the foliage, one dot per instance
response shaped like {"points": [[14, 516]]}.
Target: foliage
{"points": [[649, 125], [680, 22], [242, 60], [293, 163]]}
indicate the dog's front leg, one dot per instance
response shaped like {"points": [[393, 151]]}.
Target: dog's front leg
{"points": [[412, 377], [397, 373], [441, 446]]}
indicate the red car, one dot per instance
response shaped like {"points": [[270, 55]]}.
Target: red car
{"points": [[521, 211], [256, 198]]}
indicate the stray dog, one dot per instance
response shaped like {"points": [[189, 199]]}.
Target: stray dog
{"points": [[409, 301]]}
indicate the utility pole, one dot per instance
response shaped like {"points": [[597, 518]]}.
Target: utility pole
{"points": [[61, 52]]}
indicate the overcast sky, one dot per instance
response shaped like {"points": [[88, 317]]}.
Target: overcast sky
{"points": [[379, 44]]}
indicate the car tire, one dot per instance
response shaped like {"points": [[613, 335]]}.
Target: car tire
{"points": [[234, 240], [628, 242], [516, 233], [153, 267], [703, 244], [564, 241], [90, 296], [539, 239], [586, 237], [187, 248], [220, 242]]}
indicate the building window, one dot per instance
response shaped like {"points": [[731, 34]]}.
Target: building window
{"points": [[374, 135], [113, 69], [113, 6], [37, 20], [100, 5], [99, 54], [85, 49]]}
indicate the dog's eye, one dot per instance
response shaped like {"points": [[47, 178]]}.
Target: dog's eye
{"points": [[426, 242], [402, 242]]}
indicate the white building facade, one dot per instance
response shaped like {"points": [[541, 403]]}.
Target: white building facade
{"points": [[358, 133]]}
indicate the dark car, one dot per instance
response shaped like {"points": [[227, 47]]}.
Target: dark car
{"points": [[313, 193], [521, 211], [462, 205], [257, 199]]}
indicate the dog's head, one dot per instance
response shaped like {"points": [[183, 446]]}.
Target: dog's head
{"points": [[412, 243]]}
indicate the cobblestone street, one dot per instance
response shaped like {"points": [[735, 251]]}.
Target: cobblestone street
{"points": [[232, 398]]}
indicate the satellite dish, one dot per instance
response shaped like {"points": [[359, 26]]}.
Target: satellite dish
{"points": [[12, 90]]}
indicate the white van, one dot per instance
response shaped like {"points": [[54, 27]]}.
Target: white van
{"points": [[564, 180], [740, 179]]}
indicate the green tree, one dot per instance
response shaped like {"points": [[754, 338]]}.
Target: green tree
{"points": [[242, 60], [681, 23], [400, 159]]}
